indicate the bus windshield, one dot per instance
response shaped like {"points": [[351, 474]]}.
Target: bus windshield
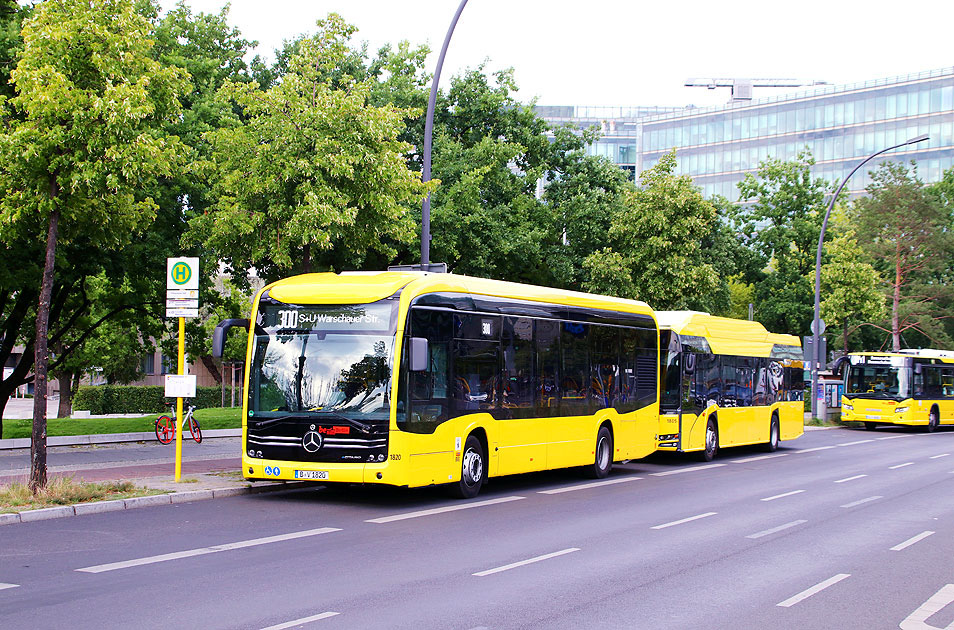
{"points": [[322, 359], [878, 381]]}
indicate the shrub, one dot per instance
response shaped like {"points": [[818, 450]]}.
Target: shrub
{"points": [[103, 399]]}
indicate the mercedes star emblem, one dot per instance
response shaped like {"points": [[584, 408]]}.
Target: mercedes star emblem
{"points": [[311, 442]]}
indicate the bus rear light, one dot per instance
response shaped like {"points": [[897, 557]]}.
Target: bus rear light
{"points": [[669, 436]]}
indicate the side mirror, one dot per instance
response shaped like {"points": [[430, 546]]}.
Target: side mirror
{"points": [[418, 358], [220, 333], [839, 365]]}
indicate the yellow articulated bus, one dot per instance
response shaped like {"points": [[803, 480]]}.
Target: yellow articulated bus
{"points": [[726, 382], [411, 378], [910, 387]]}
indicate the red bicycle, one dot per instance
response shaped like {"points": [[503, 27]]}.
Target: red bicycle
{"points": [[166, 426]]}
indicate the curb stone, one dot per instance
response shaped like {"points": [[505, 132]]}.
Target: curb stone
{"points": [[47, 513], [192, 495], [98, 507]]}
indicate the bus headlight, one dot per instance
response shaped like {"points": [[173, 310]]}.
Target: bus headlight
{"points": [[848, 406], [900, 409]]}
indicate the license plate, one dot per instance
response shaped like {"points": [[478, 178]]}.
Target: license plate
{"points": [[311, 474], [873, 417]]}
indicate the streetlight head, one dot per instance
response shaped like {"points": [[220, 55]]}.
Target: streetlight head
{"points": [[920, 138]]}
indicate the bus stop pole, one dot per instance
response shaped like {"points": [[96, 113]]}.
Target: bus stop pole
{"points": [[179, 426]]}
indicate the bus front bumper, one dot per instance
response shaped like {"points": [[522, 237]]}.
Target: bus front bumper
{"points": [[275, 470]]}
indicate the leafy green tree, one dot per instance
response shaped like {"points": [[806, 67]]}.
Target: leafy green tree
{"points": [[657, 252], [85, 134], [780, 224], [313, 169], [741, 295], [905, 228], [851, 288]]}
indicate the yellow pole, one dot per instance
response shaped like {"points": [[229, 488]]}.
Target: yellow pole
{"points": [[179, 424]]}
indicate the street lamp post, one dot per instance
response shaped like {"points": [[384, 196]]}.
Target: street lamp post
{"points": [[816, 322], [428, 133]]}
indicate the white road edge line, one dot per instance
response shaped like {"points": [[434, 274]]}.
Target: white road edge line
{"points": [[441, 510], [684, 520], [779, 496], [775, 530], [855, 503], [901, 465], [910, 541], [679, 471], [302, 621], [113, 566], [853, 443], [849, 478], [918, 619], [812, 450], [4, 585], [585, 486], [939, 456], [760, 457], [514, 565], [791, 601]]}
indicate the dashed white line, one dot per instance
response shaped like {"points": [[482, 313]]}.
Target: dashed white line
{"points": [[866, 500], [918, 619], [901, 465], [910, 541], [4, 585], [585, 486], [514, 565], [894, 437], [100, 568], [939, 456], [849, 478], [856, 442], [679, 471], [441, 510], [775, 530], [684, 520], [783, 495], [302, 621], [835, 579], [812, 450], [760, 457]]}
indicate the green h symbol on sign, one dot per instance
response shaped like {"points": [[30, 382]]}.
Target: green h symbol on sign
{"points": [[181, 273]]}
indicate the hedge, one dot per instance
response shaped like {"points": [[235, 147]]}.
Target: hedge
{"points": [[103, 399]]}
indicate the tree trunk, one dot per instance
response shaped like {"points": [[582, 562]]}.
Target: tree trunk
{"points": [[845, 323], [66, 378], [41, 360], [306, 259]]}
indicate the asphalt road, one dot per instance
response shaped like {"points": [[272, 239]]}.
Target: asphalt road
{"points": [[839, 529]]}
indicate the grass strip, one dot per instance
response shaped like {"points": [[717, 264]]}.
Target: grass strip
{"points": [[16, 497]]}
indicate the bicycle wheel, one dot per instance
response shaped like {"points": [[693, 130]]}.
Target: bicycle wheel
{"points": [[165, 429], [196, 430]]}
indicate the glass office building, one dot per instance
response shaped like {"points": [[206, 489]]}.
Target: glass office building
{"points": [[839, 124]]}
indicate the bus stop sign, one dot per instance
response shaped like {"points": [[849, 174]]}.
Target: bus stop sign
{"points": [[182, 273]]}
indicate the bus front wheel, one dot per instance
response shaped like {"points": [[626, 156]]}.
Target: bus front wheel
{"points": [[603, 456], [712, 441], [473, 471], [934, 419], [772, 445]]}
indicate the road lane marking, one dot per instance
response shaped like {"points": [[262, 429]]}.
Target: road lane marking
{"points": [[775, 530], [918, 619], [514, 565], [4, 585], [780, 496], [850, 478], [755, 459], [854, 503], [894, 437], [679, 471], [939, 456], [910, 541], [684, 520], [812, 450], [585, 486], [901, 465], [856, 442], [441, 510], [835, 579], [302, 621], [113, 566]]}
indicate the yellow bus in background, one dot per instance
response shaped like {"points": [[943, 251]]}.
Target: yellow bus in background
{"points": [[909, 387], [411, 378], [726, 382]]}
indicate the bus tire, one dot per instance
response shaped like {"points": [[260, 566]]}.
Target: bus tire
{"points": [[712, 441], [772, 445], [473, 471], [934, 420], [871, 426], [603, 455]]}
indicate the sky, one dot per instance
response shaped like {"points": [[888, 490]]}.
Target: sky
{"points": [[624, 52]]}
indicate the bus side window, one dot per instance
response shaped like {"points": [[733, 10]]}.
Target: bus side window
{"points": [[518, 369], [575, 387], [546, 384], [604, 371], [760, 382], [428, 389]]}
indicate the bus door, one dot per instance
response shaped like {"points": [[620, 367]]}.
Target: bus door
{"points": [[671, 377], [735, 417]]}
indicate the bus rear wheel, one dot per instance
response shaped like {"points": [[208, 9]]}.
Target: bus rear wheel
{"points": [[772, 445], [603, 456], [473, 471], [871, 426], [712, 441], [934, 419]]}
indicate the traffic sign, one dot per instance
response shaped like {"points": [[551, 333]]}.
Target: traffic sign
{"points": [[182, 303], [182, 294], [180, 386], [182, 273], [821, 326], [182, 312]]}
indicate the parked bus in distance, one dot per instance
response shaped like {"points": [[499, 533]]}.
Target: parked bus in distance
{"points": [[726, 382], [909, 387], [411, 379]]}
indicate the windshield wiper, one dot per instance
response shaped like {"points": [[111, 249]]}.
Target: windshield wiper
{"points": [[266, 422]]}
